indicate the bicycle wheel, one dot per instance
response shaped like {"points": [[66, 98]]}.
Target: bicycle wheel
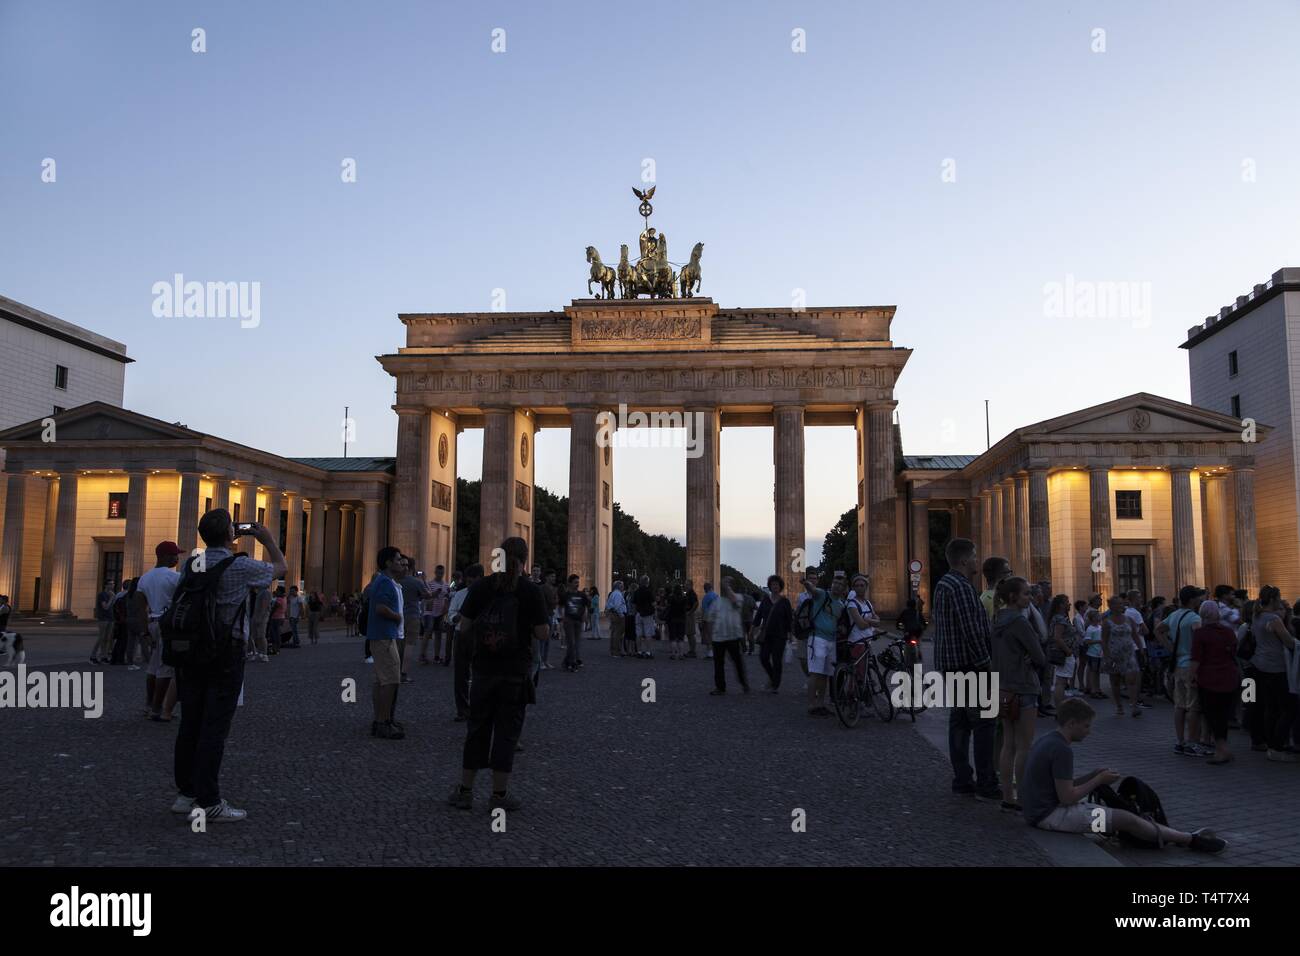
{"points": [[881, 702], [844, 692]]}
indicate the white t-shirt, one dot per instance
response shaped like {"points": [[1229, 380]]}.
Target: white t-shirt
{"points": [[1228, 614], [457, 600], [1135, 618], [158, 586], [866, 609]]}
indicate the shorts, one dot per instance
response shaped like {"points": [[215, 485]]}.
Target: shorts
{"points": [[156, 667], [646, 626], [1185, 695], [388, 663], [1077, 818], [1066, 670], [821, 656]]}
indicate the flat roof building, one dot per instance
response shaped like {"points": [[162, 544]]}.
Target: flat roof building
{"points": [[1244, 362]]}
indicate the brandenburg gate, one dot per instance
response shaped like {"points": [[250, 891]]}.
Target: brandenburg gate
{"points": [[514, 373]]}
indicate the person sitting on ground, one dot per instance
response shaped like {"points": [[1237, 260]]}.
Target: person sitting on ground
{"points": [[1054, 799]]}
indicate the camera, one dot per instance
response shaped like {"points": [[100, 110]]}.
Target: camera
{"points": [[244, 527]]}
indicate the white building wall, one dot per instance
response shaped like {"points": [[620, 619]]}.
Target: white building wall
{"points": [[1267, 343], [27, 361]]}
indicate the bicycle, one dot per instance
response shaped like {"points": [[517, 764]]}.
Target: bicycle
{"points": [[850, 692], [903, 654]]}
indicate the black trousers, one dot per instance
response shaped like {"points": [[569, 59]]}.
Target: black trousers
{"points": [[461, 662], [208, 697], [1274, 711], [771, 654], [496, 719], [721, 651]]}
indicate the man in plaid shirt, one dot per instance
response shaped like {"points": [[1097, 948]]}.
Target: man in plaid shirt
{"points": [[962, 645]]}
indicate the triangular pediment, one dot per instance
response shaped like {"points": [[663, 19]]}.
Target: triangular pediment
{"points": [[97, 421], [1135, 416]]}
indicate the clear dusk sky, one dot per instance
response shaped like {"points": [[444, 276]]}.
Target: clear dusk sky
{"points": [[953, 159]]}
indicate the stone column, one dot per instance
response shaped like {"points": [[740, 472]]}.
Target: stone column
{"points": [[788, 491], [293, 540], [11, 549], [703, 523], [273, 508], [187, 515], [1243, 487], [496, 492], [985, 524], [1040, 531], [370, 543], [65, 544], [1099, 523], [409, 493], [1185, 569], [920, 550], [1022, 525], [882, 517], [333, 534], [1217, 534], [47, 544], [363, 517], [137, 495], [220, 492], [347, 546], [997, 543], [860, 425], [1007, 491], [316, 545], [590, 489]]}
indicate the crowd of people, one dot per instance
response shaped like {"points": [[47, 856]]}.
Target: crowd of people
{"points": [[1049, 653], [1224, 661]]}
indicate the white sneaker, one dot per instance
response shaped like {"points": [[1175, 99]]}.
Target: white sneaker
{"points": [[224, 813], [183, 804], [264, 658], [370, 660], [133, 667]]}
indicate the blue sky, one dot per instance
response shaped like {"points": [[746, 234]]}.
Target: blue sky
{"points": [[1170, 160]]}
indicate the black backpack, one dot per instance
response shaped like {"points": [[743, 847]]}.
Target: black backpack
{"points": [[494, 633], [805, 616], [1136, 797], [363, 613], [193, 633], [575, 605]]}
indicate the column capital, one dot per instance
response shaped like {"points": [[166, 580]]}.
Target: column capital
{"points": [[790, 406], [878, 406], [410, 410], [346, 507], [1241, 469]]}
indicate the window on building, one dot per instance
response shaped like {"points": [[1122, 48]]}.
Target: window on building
{"points": [[60, 377], [1128, 504], [58, 409], [261, 516], [1232, 362], [235, 517], [207, 505], [117, 503], [1235, 401]]}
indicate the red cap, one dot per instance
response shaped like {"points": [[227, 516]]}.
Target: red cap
{"points": [[167, 548]]}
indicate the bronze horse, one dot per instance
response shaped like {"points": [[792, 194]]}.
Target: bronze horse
{"points": [[600, 273], [690, 277]]}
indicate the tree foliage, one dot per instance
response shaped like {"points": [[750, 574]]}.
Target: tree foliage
{"points": [[636, 551]]}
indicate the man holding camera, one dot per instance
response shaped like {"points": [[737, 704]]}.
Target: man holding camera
{"points": [[209, 694]]}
